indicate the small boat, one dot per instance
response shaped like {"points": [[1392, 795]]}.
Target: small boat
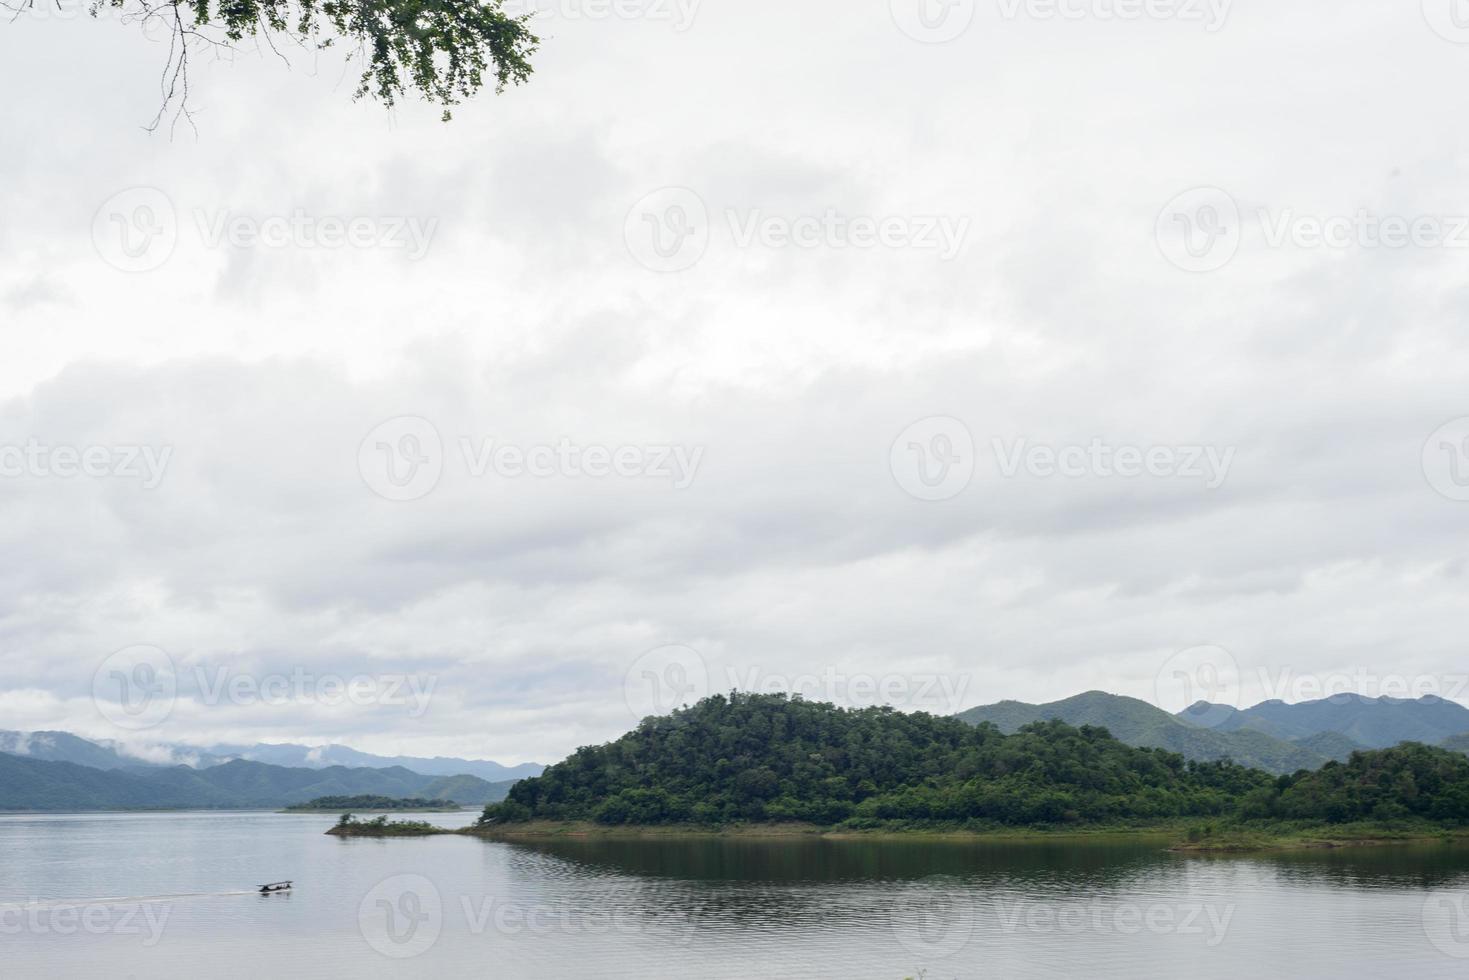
{"points": [[275, 886]]}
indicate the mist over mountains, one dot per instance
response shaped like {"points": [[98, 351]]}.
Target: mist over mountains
{"points": [[63, 747], [59, 771]]}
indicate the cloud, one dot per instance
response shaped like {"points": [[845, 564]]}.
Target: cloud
{"points": [[265, 552]]}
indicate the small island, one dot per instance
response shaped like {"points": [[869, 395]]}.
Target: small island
{"points": [[381, 826], [373, 804]]}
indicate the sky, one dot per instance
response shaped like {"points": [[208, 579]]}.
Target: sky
{"points": [[901, 352]]}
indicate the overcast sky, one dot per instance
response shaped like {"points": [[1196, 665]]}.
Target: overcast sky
{"points": [[371, 396]]}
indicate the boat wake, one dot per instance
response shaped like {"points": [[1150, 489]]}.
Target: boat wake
{"points": [[61, 905]]}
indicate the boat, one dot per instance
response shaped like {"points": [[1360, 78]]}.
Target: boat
{"points": [[275, 886]]}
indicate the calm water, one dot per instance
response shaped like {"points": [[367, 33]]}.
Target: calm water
{"points": [[166, 895]]}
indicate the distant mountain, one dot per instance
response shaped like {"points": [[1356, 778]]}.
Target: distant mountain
{"points": [[1332, 745], [36, 784], [1456, 743], [62, 747], [324, 756], [1374, 723], [1141, 724]]}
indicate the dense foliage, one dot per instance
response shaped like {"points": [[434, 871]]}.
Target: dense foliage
{"points": [[1410, 781], [350, 826], [748, 757]]}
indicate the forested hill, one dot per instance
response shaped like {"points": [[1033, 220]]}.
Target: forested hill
{"points": [[759, 758], [749, 757]]}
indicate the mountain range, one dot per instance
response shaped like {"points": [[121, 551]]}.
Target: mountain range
{"points": [[1374, 723], [64, 747], [39, 784], [1273, 735]]}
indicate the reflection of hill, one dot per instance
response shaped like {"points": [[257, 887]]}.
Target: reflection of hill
{"points": [[1389, 866], [826, 860], [1095, 865]]}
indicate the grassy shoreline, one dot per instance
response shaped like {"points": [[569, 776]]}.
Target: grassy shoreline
{"points": [[373, 811], [1185, 838]]}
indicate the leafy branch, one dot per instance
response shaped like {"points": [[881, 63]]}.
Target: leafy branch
{"points": [[446, 51]]}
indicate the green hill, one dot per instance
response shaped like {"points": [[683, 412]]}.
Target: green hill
{"points": [[1141, 724], [750, 757]]}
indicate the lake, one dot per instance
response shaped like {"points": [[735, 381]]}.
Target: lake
{"points": [[164, 895]]}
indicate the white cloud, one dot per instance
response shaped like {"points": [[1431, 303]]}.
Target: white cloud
{"points": [[527, 321]]}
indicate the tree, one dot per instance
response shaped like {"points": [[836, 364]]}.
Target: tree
{"points": [[444, 50]]}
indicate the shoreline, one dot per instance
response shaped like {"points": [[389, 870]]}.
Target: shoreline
{"points": [[1173, 837]]}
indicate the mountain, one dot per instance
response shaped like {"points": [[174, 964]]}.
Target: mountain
{"points": [[62, 747], [1141, 724], [321, 757], [37, 784], [1332, 745], [1456, 743], [1371, 722]]}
